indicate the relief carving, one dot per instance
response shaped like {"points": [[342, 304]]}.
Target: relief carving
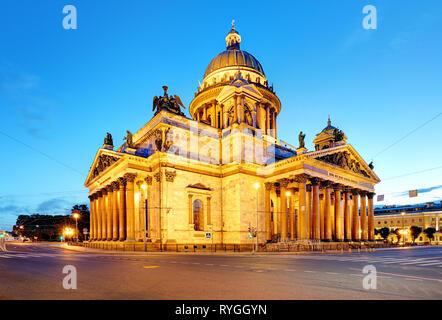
{"points": [[104, 161]]}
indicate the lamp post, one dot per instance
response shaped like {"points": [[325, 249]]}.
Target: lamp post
{"points": [[76, 215], [256, 186], [403, 228]]}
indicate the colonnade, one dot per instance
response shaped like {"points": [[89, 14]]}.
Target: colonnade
{"points": [[324, 211], [112, 211], [263, 115]]}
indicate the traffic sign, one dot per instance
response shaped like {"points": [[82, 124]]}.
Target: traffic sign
{"points": [[208, 235]]}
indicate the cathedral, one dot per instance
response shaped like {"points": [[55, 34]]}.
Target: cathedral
{"points": [[221, 179]]}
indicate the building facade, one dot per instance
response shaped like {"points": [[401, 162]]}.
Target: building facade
{"points": [[404, 217], [221, 176]]}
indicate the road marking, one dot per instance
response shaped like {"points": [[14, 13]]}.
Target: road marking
{"points": [[209, 264], [332, 273], [404, 276], [309, 271], [416, 262], [413, 279], [5, 256], [150, 267], [430, 264], [196, 263], [224, 265], [289, 270]]}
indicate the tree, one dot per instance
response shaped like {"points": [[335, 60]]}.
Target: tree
{"points": [[415, 232], [384, 232], [430, 233]]}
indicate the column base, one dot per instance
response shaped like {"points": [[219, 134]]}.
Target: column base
{"points": [[115, 239], [130, 240]]}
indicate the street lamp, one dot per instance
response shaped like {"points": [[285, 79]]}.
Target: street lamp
{"points": [[403, 228], [76, 215], [256, 186]]}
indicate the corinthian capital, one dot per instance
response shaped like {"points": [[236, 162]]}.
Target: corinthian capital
{"points": [[284, 182], [130, 177]]}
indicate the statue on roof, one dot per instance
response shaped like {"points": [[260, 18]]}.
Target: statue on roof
{"points": [[172, 104], [338, 135], [108, 140], [129, 139], [301, 140]]}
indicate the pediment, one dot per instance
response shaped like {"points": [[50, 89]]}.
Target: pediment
{"points": [[346, 158], [249, 90], [198, 186], [103, 161]]}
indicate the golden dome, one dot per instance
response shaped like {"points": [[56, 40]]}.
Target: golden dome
{"points": [[233, 56]]}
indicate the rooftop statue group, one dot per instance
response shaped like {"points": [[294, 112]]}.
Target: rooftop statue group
{"points": [[172, 104]]}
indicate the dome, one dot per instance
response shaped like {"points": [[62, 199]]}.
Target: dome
{"points": [[233, 56]]}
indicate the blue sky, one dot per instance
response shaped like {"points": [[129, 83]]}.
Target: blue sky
{"points": [[62, 90]]}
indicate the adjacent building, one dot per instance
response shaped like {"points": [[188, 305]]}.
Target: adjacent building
{"points": [[403, 217]]}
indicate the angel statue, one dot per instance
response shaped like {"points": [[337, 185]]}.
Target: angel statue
{"points": [[171, 104], [301, 140], [129, 139]]}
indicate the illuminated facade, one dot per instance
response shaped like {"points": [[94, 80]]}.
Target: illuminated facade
{"points": [[211, 179], [403, 217]]}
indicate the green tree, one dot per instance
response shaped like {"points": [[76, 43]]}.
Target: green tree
{"points": [[384, 232], [430, 233], [415, 232]]}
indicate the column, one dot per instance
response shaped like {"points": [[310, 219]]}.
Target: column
{"points": [[267, 119], [347, 217], [292, 214], [321, 213], [355, 216], [122, 208], [104, 215], [268, 218], [327, 212], [363, 215], [283, 183], [339, 234], [115, 210], [110, 198], [91, 217], [258, 115], [190, 213], [308, 190], [302, 218], [370, 217], [209, 215], [99, 214], [316, 223], [130, 206]]}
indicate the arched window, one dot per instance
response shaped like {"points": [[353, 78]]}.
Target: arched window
{"points": [[198, 215]]}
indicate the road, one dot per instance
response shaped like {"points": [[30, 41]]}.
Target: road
{"points": [[34, 271]]}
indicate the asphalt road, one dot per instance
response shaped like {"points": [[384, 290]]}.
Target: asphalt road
{"points": [[34, 271]]}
